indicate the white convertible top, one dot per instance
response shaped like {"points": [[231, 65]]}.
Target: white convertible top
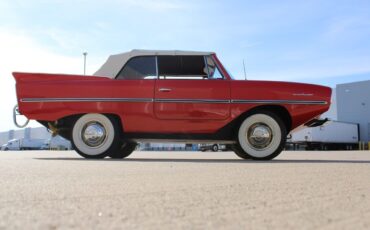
{"points": [[115, 62]]}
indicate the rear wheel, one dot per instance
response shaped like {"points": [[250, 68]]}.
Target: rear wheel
{"points": [[261, 136], [214, 148], [96, 136], [126, 149]]}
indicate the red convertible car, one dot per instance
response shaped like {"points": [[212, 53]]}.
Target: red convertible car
{"points": [[147, 96]]}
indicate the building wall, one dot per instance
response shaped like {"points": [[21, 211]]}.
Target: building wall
{"points": [[31, 133], [353, 105], [332, 113], [4, 138], [40, 133]]}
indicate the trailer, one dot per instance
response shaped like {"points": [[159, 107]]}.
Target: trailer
{"points": [[23, 144], [335, 135], [214, 147], [56, 143]]}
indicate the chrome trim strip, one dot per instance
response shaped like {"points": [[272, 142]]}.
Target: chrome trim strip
{"points": [[210, 101], [87, 100], [190, 141], [303, 94], [156, 67], [206, 63], [298, 102]]}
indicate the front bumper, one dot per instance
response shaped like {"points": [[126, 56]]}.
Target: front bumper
{"points": [[316, 122]]}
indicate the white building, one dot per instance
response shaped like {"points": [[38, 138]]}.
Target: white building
{"points": [[28, 133], [350, 104], [332, 113], [353, 105]]}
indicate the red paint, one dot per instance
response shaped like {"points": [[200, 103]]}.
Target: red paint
{"points": [[192, 89], [159, 117]]}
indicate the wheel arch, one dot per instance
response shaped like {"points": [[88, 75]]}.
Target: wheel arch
{"points": [[65, 124], [278, 110]]}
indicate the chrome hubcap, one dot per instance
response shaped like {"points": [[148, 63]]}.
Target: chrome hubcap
{"points": [[259, 136], [93, 134]]}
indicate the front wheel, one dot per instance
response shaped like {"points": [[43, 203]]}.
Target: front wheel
{"points": [[261, 136], [95, 136]]}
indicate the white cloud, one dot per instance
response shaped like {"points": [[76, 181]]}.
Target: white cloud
{"points": [[63, 39], [318, 69], [347, 27], [309, 69], [158, 5], [19, 52], [150, 5]]}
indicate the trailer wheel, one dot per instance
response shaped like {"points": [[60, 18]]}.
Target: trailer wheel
{"points": [[261, 136], [126, 149], [96, 136], [214, 148]]}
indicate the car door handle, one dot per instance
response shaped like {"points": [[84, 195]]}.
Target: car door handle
{"points": [[165, 90]]}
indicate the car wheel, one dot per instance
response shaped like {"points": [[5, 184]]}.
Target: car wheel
{"points": [[239, 151], [95, 136], [214, 148], [261, 136], [126, 149]]}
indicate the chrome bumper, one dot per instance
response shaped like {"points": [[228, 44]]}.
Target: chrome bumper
{"points": [[316, 122]]}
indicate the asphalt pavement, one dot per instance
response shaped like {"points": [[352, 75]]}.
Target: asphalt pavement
{"points": [[185, 190]]}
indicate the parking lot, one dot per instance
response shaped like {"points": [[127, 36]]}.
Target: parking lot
{"points": [[166, 190]]}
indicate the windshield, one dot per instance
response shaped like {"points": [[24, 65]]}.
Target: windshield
{"points": [[228, 72]]}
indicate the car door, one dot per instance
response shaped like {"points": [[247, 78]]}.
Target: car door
{"points": [[134, 91], [185, 90]]}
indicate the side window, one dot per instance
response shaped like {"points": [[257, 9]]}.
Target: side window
{"points": [[182, 67], [213, 71], [139, 68]]}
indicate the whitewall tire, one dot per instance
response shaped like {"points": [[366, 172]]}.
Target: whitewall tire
{"points": [[94, 136], [261, 136]]}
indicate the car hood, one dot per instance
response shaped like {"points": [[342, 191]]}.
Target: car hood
{"points": [[277, 90]]}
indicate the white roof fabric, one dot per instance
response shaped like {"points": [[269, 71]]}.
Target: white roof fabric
{"points": [[115, 62]]}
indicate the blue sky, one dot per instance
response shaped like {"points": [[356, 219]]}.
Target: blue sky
{"points": [[323, 42]]}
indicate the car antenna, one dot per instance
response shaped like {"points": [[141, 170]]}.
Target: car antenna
{"points": [[85, 54], [245, 74]]}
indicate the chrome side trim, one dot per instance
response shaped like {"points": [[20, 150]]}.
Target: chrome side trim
{"points": [[297, 102], [156, 67], [186, 141], [303, 94], [211, 101], [87, 100]]}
